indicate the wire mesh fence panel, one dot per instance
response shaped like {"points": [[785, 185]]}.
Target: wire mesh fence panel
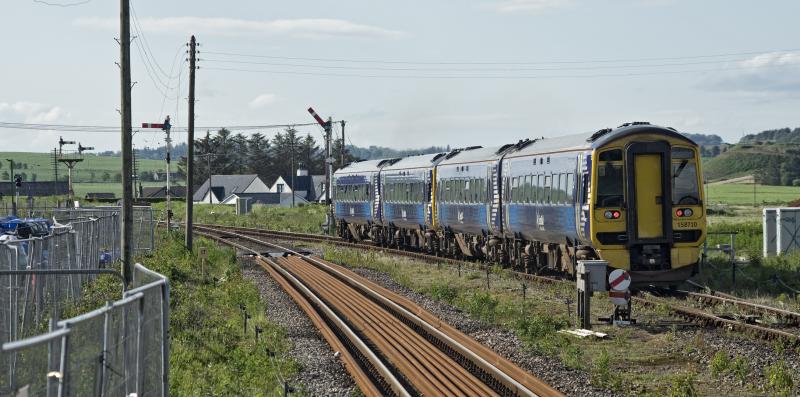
{"points": [[32, 368], [116, 350]]}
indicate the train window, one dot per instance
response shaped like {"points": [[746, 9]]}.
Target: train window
{"points": [[685, 190], [547, 188], [537, 183], [570, 188], [609, 185], [527, 189], [557, 188], [611, 155], [563, 188]]}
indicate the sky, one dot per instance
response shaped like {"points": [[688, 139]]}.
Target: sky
{"points": [[404, 74]]}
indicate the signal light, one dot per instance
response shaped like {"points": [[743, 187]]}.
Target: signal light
{"points": [[679, 213], [616, 214]]}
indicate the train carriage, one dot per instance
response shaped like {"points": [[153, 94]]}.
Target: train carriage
{"points": [[357, 198], [407, 199]]}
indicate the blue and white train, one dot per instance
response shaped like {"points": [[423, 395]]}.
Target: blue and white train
{"points": [[629, 195]]}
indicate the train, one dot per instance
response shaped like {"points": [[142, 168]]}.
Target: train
{"points": [[630, 195]]}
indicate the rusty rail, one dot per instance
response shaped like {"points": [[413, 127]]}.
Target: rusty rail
{"points": [[427, 355]]}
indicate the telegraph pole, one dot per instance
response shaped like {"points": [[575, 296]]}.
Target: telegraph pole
{"points": [[167, 127], [190, 147], [343, 144], [127, 140], [328, 171]]}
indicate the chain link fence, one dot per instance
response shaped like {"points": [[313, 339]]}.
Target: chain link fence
{"points": [[119, 349]]}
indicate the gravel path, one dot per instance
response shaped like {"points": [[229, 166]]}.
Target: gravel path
{"points": [[321, 374], [569, 381]]}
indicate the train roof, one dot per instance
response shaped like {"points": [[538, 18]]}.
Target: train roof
{"points": [[472, 155], [591, 140], [420, 161], [365, 166]]}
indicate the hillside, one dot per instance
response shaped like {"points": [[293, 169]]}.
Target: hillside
{"points": [[782, 135], [39, 167], [772, 164]]}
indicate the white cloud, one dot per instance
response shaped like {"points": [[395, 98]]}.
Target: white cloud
{"points": [[31, 112], [530, 6], [301, 27], [262, 100], [769, 73]]}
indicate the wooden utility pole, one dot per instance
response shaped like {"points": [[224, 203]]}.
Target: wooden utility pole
{"points": [[190, 147], [343, 144], [127, 139], [329, 160]]}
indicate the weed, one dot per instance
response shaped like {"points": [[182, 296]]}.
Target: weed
{"points": [[483, 306], [740, 368], [682, 386], [779, 379], [571, 354], [602, 370], [719, 364], [442, 291]]}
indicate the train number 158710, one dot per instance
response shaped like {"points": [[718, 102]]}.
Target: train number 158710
{"points": [[687, 224]]}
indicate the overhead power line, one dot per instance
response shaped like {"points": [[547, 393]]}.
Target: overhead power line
{"points": [[478, 69], [115, 129], [576, 61], [498, 77]]}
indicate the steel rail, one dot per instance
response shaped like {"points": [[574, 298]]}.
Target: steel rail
{"points": [[365, 383], [686, 312], [483, 364]]}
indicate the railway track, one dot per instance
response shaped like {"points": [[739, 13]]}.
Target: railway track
{"points": [[787, 328], [390, 345]]}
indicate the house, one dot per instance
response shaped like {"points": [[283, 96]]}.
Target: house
{"points": [[38, 188], [308, 187], [219, 188], [160, 192]]}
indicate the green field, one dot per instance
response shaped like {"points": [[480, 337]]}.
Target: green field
{"points": [[742, 194], [91, 169]]}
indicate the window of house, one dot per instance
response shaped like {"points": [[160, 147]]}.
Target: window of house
{"points": [[279, 188]]}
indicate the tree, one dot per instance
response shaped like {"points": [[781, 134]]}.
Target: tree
{"points": [[117, 177], [34, 177], [92, 175], [5, 175], [106, 176], [285, 147], [715, 151]]}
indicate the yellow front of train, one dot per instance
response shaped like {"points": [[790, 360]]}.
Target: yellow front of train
{"points": [[647, 206]]}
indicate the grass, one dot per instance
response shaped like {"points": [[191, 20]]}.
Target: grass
{"points": [[302, 219], [42, 165], [742, 194], [209, 352]]}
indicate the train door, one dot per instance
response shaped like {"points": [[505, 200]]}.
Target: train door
{"points": [[649, 197], [649, 204]]}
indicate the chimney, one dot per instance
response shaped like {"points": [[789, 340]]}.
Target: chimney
{"points": [[302, 172]]}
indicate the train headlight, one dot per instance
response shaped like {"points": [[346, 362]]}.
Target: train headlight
{"points": [[684, 212], [611, 214]]}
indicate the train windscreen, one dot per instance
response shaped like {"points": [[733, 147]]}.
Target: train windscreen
{"points": [[610, 185], [685, 186]]}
